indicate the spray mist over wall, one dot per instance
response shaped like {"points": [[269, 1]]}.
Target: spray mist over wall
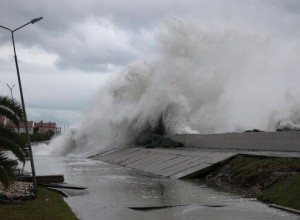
{"points": [[203, 79]]}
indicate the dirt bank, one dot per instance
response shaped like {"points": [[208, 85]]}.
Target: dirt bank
{"points": [[270, 179]]}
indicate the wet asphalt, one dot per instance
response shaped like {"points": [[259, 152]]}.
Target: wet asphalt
{"points": [[115, 192]]}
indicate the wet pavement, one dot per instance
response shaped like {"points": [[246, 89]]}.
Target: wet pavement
{"points": [[115, 192]]}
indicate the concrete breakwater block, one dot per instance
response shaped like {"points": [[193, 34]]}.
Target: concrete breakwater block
{"points": [[173, 163], [64, 185], [262, 141], [44, 179]]}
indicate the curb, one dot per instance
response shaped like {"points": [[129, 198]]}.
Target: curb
{"points": [[285, 208]]}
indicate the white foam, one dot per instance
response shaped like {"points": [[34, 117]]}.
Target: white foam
{"points": [[204, 79]]}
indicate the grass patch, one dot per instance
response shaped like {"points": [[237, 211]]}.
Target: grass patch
{"points": [[285, 193], [261, 172], [273, 180], [48, 205]]}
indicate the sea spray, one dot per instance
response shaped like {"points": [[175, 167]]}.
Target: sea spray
{"points": [[204, 78]]}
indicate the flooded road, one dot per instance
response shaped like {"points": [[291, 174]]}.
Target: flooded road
{"points": [[116, 192]]}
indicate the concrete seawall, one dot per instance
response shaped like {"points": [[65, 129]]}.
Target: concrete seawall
{"points": [[172, 163], [202, 152], [264, 141]]}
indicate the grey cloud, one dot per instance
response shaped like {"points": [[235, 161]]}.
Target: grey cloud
{"points": [[94, 61], [57, 32], [86, 47], [61, 116]]}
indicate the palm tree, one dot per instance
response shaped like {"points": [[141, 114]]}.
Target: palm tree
{"points": [[9, 140], [11, 109]]}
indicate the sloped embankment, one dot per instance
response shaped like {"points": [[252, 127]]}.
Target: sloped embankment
{"points": [[272, 180]]}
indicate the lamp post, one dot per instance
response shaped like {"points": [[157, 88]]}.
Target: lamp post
{"points": [[21, 94], [11, 88]]}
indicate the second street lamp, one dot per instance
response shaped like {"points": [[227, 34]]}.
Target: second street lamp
{"points": [[11, 88], [21, 94]]}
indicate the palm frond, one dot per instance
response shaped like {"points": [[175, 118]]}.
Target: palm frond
{"points": [[11, 134], [7, 169], [11, 109], [8, 144], [7, 113]]}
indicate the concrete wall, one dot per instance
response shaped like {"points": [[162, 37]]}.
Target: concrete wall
{"points": [[268, 141]]}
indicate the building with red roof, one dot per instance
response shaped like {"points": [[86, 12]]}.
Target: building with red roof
{"points": [[21, 129], [33, 127], [46, 127]]}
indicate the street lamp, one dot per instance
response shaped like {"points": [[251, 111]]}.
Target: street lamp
{"points": [[11, 88], [21, 94]]}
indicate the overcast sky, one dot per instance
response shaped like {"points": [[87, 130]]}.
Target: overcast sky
{"points": [[66, 57]]}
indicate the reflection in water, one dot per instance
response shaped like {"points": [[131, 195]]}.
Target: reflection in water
{"points": [[113, 190]]}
